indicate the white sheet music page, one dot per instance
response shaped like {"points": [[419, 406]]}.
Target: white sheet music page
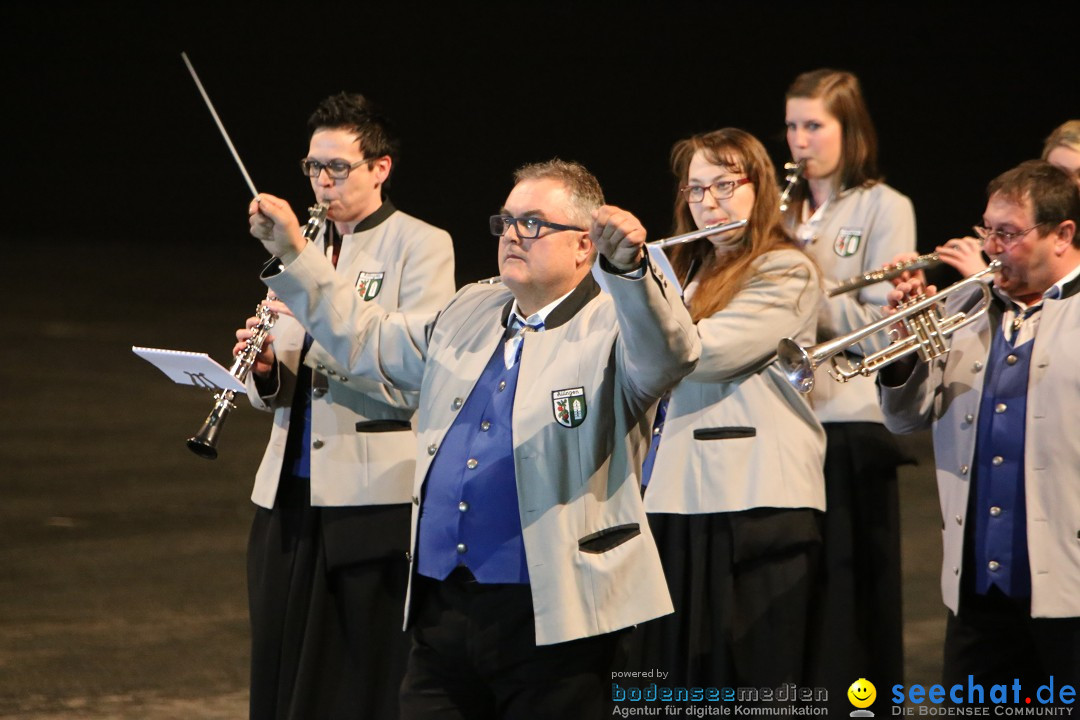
{"points": [[188, 368]]}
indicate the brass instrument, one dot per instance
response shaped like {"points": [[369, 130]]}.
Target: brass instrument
{"points": [[928, 333], [204, 442], [794, 172], [698, 234], [888, 272]]}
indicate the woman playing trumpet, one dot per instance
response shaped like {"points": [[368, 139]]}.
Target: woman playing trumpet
{"points": [[736, 489]]}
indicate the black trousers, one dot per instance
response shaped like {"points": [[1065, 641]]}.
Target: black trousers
{"points": [[326, 637], [995, 640], [474, 656]]}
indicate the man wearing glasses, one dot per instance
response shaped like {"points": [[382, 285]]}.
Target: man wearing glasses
{"points": [[1003, 407], [531, 553], [326, 559]]}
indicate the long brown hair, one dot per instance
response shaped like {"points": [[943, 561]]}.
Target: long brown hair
{"points": [[741, 153], [842, 97]]}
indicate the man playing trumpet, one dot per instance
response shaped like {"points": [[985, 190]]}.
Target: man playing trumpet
{"points": [[1002, 404]]}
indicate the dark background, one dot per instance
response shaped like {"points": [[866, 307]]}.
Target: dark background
{"points": [[121, 553]]}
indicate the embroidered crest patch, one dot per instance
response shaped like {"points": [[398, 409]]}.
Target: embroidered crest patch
{"points": [[368, 284], [847, 241], [569, 406]]}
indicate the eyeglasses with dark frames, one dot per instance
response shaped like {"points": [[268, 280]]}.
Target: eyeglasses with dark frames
{"points": [[337, 169], [526, 227], [720, 190]]}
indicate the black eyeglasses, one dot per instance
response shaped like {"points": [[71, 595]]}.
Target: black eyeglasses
{"points": [[720, 190], [1006, 239], [337, 169], [526, 227]]}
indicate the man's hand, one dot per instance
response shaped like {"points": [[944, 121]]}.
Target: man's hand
{"points": [[619, 237], [964, 254], [275, 225], [264, 361]]}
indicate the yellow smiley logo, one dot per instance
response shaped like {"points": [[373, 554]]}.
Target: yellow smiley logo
{"points": [[862, 693]]}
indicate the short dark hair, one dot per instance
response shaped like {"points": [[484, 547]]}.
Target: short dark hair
{"points": [[357, 114], [582, 186], [1054, 195]]}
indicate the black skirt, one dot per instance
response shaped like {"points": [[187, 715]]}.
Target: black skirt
{"points": [[326, 591], [742, 585]]}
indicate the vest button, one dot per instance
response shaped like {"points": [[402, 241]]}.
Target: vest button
{"points": [[471, 464], [317, 444], [318, 392], [995, 511], [993, 565], [431, 449], [963, 469], [977, 366], [485, 426], [656, 431], [462, 548], [502, 385], [997, 460], [1011, 359], [463, 506], [1000, 408], [456, 404], [343, 379], [320, 367], [331, 372], [969, 418]]}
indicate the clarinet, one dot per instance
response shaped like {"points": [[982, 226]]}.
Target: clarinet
{"points": [[204, 442], [794, 172]]}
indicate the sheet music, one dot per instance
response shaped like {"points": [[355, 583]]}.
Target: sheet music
{"points": [[189, 368]]}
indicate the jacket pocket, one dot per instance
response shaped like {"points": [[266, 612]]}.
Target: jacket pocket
{"points": [[380, 426], [724, 433], [609, 538]]}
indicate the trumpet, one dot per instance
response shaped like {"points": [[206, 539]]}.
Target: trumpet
{"points": [[887, 272], [794, 172], [928, 334], [698, 234], [204, 442]]}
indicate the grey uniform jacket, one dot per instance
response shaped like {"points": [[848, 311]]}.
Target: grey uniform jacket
{"points": [[738, 435], [946, 395], [861, 230], [592, 561], [397, 262]]}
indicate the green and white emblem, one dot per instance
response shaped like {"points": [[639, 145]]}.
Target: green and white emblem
{"points": [[368, 284], [569, 406], [847, 241]]}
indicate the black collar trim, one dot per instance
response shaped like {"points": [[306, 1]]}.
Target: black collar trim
{"points": [[581, 296]]}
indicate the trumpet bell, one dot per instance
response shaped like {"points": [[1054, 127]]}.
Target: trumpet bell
{"points": [[796, 365]]}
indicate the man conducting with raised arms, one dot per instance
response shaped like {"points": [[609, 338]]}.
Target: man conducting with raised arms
{"points": [[530, 551]]}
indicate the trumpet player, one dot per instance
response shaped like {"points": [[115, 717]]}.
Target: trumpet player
{"points": [[326, 559], [1003, 407], [851, 222]]}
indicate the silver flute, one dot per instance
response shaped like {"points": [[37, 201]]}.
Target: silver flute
{"points": [[698, 234]]}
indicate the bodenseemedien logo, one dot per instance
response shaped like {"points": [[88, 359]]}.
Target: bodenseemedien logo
{"points": [[862, 694]]}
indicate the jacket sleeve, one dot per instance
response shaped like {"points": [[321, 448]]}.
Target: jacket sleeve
{"points": [[426, 285], [388, 348], [657, 344], [780, 300], [907, 407]]}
